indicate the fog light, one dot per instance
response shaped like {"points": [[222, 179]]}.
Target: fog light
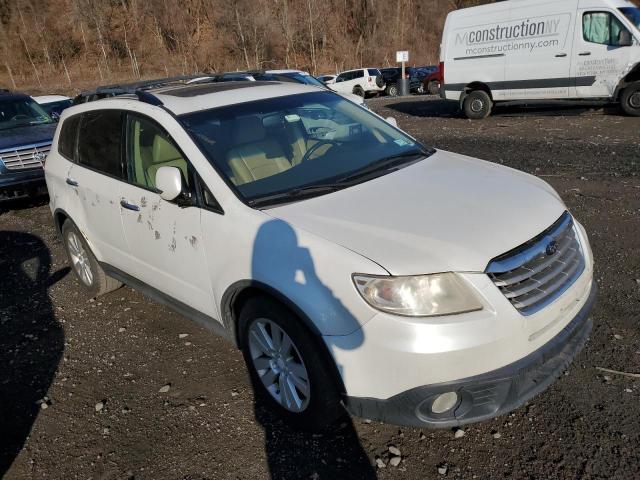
{"points": [[444, 402]]}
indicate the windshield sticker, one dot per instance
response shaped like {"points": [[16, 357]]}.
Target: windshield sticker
{"points": [[401, 142]]}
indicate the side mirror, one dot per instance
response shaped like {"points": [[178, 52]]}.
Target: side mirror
{"points": [[169, 182], [625, 40], [392, 121]]}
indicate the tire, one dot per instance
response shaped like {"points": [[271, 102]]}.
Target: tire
{"points": [[379, 81], [358, 91], [392, 90], [630, 99], [477, 105], [84, 264], [321, 406], [434, 87]]}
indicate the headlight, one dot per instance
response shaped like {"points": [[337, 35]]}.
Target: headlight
{"points": [[418, 296]]}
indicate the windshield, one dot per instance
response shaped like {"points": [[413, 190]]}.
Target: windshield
{"points": [[633, 14], [308, 79], [21, 112], [54, 109], [285, 144]]}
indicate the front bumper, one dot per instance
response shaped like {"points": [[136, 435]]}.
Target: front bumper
{"points": [[21, 184], [486, 395]]}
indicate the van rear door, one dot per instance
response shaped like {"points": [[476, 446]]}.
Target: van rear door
{"points": [[538, 50], [599, 57]]}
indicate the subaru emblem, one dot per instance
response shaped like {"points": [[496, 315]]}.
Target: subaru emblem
{"points": [[552, 247]]}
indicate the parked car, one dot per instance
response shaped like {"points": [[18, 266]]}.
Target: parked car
{"points": [[508, 51], [361, 82], [53, 104], [284, 217], [295, 76], [26, 133], [327, 79], [432, 82], [391, 76]]}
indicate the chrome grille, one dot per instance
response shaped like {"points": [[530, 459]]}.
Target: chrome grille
{"points": [[536, 273], [32, 156]]}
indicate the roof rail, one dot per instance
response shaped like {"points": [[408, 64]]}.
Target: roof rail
{"points": [[134, 88]]}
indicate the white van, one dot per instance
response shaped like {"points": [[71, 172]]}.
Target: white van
{"points": [[542, 49]]}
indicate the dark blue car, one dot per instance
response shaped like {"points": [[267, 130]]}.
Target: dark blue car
{"points": [[26, 133]]}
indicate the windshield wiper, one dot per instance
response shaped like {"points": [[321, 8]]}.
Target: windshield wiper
{"points": [[297, 193], [385, 164]]}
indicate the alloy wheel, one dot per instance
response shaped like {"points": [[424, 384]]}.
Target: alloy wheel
{"points": [[279, 365], [79, 258]]}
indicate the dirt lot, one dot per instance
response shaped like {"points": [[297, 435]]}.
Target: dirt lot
{"points": [[80, 380]]}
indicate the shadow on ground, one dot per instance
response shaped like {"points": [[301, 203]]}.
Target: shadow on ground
{"points": [[32, 340], [294, 454], [449, 109]]}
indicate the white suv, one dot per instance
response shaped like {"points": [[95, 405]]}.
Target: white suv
{"points": [[362, 82], [352, 265]]}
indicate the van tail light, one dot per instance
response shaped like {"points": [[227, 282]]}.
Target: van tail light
{"points": [[441, 72]]}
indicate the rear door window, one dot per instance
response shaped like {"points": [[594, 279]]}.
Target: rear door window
{"points": [[100, 142], [358, 74], [67, 138]]}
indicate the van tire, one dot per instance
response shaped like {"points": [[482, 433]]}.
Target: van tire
{"points": [[324, 406], [477, 105], [357, 90], [630, 99], [99, 282]]}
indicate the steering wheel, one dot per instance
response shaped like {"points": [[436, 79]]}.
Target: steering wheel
{"points": [[316, 147]]}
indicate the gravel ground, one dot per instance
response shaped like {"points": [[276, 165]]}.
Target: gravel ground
{"points": [[123, 388]]}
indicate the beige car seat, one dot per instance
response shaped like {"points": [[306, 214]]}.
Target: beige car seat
{"points": [[255, 156]]}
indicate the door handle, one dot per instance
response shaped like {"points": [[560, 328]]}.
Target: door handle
{"points": [[129, 206], [72, 182], [584, 54], [560, 55]]}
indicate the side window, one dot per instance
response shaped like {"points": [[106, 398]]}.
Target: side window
{"points": [[603, 28], [359, 74], [67, 138], [349, 76], [149, 148], [100, 141], [208, 199]]}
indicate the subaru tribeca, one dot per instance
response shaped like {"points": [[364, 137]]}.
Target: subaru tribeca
{"points": [[354, 267]]}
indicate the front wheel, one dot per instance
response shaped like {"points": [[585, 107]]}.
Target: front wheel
{"points": [[630, 99], [392, 90], [287, 366], [477, 105], [434, 87]]}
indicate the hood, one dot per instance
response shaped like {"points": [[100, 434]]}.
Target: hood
{"points": [[445, 213], [23, 136]]}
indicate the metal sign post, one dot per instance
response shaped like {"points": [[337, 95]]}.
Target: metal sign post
{"points": [[402, 56]]}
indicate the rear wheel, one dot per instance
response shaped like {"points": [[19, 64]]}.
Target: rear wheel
{"points": [[434, 87], [285, 363], [84, 263], [358, 91], [477, 105], [630, 99]]}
